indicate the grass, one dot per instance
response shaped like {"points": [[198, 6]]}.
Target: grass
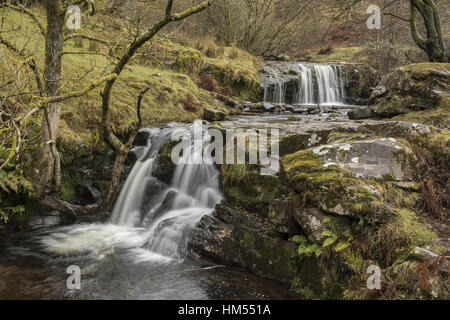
{"points": [[438, 116], [427, 67], [345, 54]]}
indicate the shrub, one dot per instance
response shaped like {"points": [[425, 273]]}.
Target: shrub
{"points": [[189, 103]]}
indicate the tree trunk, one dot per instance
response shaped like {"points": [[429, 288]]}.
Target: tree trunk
{"points": [[433, 45], [48, 170]]}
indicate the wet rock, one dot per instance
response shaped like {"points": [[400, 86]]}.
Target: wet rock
{"points": [[246, 188], [289, 108], [360, 113], [313, 110], [278, 109], [142, 138], [89, 193], [166, 167], [311, 222], [134, 154], [299, 110], [244, 244], [246, 104], [213, 115], [281, 216], [231, 102], [47, 219], [361, 79]]}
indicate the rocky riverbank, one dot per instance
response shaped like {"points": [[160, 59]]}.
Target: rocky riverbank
{"points": [[349, 195]]}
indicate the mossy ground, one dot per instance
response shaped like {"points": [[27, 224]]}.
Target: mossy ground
{"points": [[344, 54], [438, 116]]}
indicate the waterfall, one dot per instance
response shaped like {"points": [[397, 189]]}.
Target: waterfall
{"points": [[305, 91], [150, 218], [193, 193], [304, 83]]}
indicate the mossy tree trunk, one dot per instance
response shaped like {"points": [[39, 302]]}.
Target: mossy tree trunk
{"points": [[433, 45], [48, 167]]}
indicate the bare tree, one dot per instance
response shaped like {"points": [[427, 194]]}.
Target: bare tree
{"points": [[262, 27], [433, 43]]}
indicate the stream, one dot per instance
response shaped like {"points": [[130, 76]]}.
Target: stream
{"points": [[140, 251]]}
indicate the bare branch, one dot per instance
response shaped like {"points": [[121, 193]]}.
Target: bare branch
{"points": [[29, 13]]}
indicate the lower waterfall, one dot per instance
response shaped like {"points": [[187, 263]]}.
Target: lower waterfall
{"points": [[153, 218]]}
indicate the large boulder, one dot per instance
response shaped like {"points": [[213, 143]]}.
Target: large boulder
{"points": [[348, 178], [411, 88], [382, 158], [360, 113], [213, 115], [233, 238]]}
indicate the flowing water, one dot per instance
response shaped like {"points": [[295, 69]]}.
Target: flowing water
{"points": [[140, 252], [304, 83]]}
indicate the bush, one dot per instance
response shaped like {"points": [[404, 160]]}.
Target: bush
{"points": [[189, 104], [234, 53]]}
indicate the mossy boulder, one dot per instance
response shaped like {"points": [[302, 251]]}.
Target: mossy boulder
{"points": [[234, 238], [347, 178], [213, 115], [412, 88], [245, 187], [361, 78]]}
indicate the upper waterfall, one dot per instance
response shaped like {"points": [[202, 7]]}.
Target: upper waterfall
{"points": [[304, 83]]}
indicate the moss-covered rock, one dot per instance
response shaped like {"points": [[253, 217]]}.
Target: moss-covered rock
{"points": [[166, 167], [412, 88], [245, 187]]}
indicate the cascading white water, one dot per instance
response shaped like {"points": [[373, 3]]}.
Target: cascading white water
{"points": [[156, 223], [304, 83], [193, 193], [305, 92]]}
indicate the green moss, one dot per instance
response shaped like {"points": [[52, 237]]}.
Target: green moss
{"points": [[427, 67], [399, 197], [245, 187], [439, 116], [246, 83], [408, 225], [190, 63], [337, 136], [344, 54], [292, 143], [70, 181]]}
